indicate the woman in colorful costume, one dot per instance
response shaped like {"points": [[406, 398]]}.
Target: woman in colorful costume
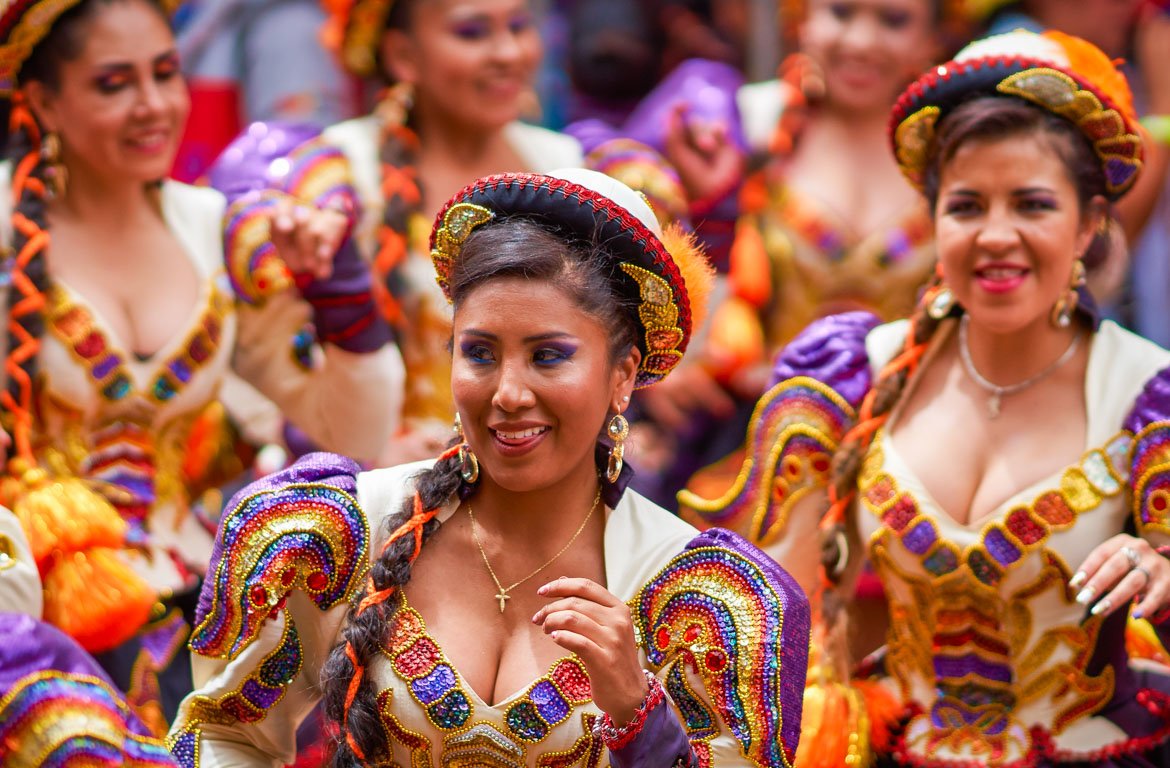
{"points": [[823, 220], [566, 298], [123, 329], [458, 77], [1011, 567]]}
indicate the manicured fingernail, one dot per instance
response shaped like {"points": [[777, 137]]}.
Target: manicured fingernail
{"points": [[1101, 607], [1085, 596], [536, 618], [555, 634], [1138, 613], [542, 590], [1077, 579], [284, 222]]}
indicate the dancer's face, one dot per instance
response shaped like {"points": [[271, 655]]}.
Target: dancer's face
{"points": [[868, 49], [470, 61], [1008, 227], [534, 382], [119, 107]]}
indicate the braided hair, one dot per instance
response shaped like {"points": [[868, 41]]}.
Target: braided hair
{"points": [[511, 247], [983, 118], [32, 179]]}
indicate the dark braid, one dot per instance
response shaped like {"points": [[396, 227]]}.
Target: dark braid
{"points": [[354, 706]]}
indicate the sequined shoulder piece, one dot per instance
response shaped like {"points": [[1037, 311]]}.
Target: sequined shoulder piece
{"points": [[728, 611], [794, 431], [1149, 421], [66, 720], [299, 529]]}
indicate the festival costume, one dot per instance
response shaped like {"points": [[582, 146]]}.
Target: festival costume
{"points": [[722, 628], [114, 451], [992, 660]]}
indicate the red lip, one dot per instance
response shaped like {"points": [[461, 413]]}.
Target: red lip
{"points": [[1000, 277], [514, 447]]}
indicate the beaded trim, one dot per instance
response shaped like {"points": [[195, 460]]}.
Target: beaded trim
{"points": [[716, 612], [794, 432], [618, 737], [1115, 140], [310, 537], [1151, 477], [24, 24], [55, 718]]}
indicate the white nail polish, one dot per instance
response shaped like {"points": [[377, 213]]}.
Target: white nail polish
{"points": [[1085, 596], [1077, 579], [1100, 607]]}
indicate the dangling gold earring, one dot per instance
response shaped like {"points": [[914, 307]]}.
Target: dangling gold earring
{"points": [[468, 463], [618, 430], [395, 105], [1062, 311], [56, 175]]}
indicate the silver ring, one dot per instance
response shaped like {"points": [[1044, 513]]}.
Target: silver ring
{"points": [[1132, 556], [1143, 572]]}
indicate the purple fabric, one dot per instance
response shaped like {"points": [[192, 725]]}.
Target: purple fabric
{"points": [[343, 307], [249, 163], [705, 88], [28, 645], [326, 468], [832, 351], [662, 741], [611, 493], [794, 641], [1152, 405]]}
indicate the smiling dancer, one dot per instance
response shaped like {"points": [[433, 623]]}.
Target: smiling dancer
{"points": [[123, 327], [519, 609], [1001, 455]]}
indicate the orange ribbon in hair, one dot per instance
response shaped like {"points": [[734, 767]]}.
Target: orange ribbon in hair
{"points": [[355, 682]]}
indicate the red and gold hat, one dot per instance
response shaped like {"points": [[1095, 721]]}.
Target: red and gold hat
{"points": [[1057, 72], [353, 31], [665, 274]]}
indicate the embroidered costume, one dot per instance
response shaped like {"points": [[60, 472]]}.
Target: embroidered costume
{"points": [[113, 451], [721, 629], [992, 660]]}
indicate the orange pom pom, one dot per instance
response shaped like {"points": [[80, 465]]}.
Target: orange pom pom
{"points": [[697, 273], [96, 599], [60, 516], [1097, 69]]}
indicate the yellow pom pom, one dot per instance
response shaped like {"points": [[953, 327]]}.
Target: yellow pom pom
{"points": [[96, 599]]}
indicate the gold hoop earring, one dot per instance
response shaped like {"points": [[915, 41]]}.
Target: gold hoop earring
{"points": [[1066, 305], [395, 104], [56, 175], [618, 430], [468, 463]]}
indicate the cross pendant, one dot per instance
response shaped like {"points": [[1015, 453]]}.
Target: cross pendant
{"points": [[503, 596], [993, 406]]}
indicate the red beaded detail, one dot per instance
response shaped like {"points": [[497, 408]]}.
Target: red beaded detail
{"points": [[616, 738]]}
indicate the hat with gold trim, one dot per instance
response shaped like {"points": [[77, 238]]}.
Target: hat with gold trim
{"points": [[1054, 71], [353, 30], [23, 25], [664, 273]]}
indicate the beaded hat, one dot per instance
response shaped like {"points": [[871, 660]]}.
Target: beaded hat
{"points": [[665, 274], [23, 24], [1057, 72], [353, 31]]}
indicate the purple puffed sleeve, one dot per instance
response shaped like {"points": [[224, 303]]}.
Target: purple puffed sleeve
{"points": [[1149, 422], [832, 351]]}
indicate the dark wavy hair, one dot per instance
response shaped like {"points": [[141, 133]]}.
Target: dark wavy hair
{"points": [[514, 247]]}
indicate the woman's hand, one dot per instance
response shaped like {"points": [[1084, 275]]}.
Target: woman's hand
{"points": [[307, 238], [587, 619], [1120, 569], [708, 162]]}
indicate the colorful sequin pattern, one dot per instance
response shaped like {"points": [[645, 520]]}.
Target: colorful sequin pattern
{"points": [[458, 222], [956, 626], [311, 537], [74, 325], [794, 432], [434, 684], [255, 270], [250, 703], [70, 721], [718, 613], [1151, 476]]}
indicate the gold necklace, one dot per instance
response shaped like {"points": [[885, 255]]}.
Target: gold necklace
{"points": [[503, 595]]}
